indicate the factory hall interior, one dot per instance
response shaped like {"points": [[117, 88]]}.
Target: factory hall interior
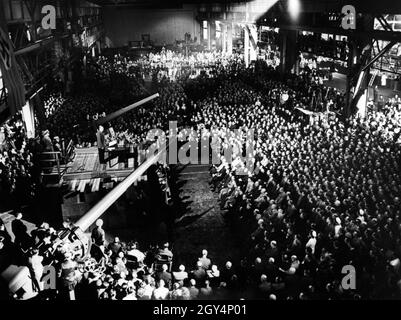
{"points": [[200, 150]]}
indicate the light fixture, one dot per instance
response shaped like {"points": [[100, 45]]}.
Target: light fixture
{"points": [[384, 80], [294, 8]]}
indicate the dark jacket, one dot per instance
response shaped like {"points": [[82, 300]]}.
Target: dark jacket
{"points": [[101, 142]]}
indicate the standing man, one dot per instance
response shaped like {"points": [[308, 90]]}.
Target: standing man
{"points": [[98, 234], [47, 143], [101, 143]]}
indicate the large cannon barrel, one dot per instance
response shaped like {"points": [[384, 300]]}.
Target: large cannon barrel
{"points": [[122, 111], [97, 211]]}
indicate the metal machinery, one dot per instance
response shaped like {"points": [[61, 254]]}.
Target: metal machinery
{"points": [[75, 240]]}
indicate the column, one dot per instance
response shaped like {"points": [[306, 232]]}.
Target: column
{"points": [[288, 50], [230, 28], [253, 43], [224, 38]]}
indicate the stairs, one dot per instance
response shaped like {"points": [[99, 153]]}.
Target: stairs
{"points": [[373, 78]]}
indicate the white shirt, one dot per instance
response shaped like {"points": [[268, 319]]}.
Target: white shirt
{"points": [[160, 293], [311, 244]]}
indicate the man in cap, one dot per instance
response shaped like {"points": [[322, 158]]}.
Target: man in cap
{"points": [[312, 242], [193, 290], [47, 142], [164, 275], [98, 234]]}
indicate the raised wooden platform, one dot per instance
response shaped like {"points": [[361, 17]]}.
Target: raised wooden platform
{"points": [[85, 170]]}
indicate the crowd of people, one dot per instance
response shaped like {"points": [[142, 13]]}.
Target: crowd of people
{"points": [[336, 49], [321, 196]]}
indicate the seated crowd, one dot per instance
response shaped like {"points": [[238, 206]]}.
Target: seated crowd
{"points": [[321, 196]]}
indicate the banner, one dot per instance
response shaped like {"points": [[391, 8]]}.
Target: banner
{"points": [[11, 76]]}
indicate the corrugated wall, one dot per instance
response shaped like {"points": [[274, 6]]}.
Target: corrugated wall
{"points": [[164, 26]]}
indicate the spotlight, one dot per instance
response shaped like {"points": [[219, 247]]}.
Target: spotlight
{"points": [[294, 8]]}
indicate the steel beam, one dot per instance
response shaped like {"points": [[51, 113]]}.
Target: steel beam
{"points": [[125, 110]]}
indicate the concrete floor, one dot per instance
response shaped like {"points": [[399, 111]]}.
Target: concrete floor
{"points": [[202, 226], [197, 222]]}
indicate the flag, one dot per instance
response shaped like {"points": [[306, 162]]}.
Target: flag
{"points": [[11, 75]]}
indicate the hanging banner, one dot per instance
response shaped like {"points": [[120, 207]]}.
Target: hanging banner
{"points": [[29, 119], [11, 75]]}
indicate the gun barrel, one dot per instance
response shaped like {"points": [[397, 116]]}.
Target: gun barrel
{"points": [[97, 211]]}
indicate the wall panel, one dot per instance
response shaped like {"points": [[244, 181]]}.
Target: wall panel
{"points": [[164, 26]]}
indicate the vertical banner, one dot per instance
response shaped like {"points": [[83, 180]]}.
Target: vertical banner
{"points": [[11, 76], [29, 119]]}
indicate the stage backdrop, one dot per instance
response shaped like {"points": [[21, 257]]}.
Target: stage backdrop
{"points": [[163, 25]]}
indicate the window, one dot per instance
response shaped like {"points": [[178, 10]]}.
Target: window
{"points": [[2, 90], [205, 30], [218, 30]]}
